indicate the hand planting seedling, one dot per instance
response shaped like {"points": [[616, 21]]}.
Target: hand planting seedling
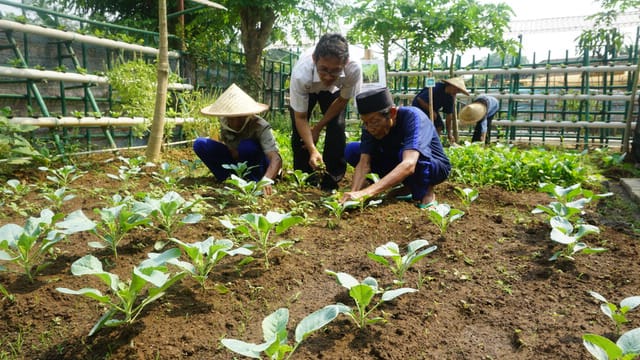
{"points": [[259, 228], [399, 264], [127, 296], [29, 246], [626, 348], [204, 255], [115, 222], [169, 213], [362, 293], [274, 328], [443, 215], [467, 196], [562, 232], [615, 313]]}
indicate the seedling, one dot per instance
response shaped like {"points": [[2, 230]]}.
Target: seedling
{"points": [[57, 197], [362, 293], [169, 213], [126, 296], [615, 313], [274, 328], [132, 168], [563, 232], [205, 255], [259, 227], [168, 175], [245, 191], [241, 169], [300, 178], [399, 264], [115, 223], [626, 348], [191, 166], [337, 208], [467, 196], [443, 215], [63, 176], [30, 246], [15, 189], [570, 200]]}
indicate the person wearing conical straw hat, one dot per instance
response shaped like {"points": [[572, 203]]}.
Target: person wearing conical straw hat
{"points": [[444, 96], [245, 137], [401, 145], [480, 113], [324, 76]]}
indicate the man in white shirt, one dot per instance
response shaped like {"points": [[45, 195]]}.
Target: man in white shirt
{"points": [[324, 76]]}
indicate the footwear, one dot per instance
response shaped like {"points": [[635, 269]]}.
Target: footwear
{"points": [[407, 197], [429, 206]]}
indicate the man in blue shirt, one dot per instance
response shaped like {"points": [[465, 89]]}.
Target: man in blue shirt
{"points": [[480, 112], [401, 145], [444, 96]]}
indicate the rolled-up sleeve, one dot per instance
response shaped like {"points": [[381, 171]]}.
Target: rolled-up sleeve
{"points": [[353, 80]]}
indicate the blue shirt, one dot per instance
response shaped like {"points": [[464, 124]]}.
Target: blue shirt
{"points": [[411, 131], [492, 105], [441, 100]]}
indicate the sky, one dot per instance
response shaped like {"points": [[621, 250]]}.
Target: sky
{"points": [[557, 42]]}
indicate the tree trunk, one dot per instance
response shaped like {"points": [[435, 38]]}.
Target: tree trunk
{"points": [[157, 127], [256, 26]]}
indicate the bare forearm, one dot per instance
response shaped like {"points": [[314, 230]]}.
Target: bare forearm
{"points": [[304, 130], [275, 164], [336, 107]]}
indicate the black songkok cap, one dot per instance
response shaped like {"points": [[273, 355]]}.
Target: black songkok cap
{"points": [[374, 100]]}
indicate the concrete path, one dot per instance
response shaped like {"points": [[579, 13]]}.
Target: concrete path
{"points": [[632, 187]]}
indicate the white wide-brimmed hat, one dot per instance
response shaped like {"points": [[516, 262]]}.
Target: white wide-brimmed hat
{"points": [[457, 82], [234, 102], [472, 113]]}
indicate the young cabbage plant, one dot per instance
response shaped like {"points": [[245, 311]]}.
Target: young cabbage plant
{"points": [[274, 327], [443, 215], [259, 227], [57, 197], [245, 191], [205, 255], [337, 208], [30, 246], [168, 213], [191, 166], [131, 168], [63, 176], [126, 299], [467, 196], [563, 233], [362, 294], [168, 175], [615, 313], [15, 189], [570, 201], [626, 348], [241, 169], [300, 178], [115, 222], [389, 256]]}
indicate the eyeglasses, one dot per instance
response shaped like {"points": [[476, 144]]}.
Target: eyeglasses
{"points": [[325, 71], [374, 124]]}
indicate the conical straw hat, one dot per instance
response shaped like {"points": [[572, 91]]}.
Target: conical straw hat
{"points": [[472, 113], [234, 102], [457, 82]]}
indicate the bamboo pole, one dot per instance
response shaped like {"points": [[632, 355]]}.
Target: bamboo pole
{"points": [[51, 122]]}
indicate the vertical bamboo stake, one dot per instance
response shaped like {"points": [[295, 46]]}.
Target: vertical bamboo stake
{"points": [[157, 127]]}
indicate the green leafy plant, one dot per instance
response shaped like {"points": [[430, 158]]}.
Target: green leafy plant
{"points": [[467, 196], [15, 189], [626, 348], [389, 256], [300, 179], [64, 176], [362, 294], [259, 227], [241, 169], [128, 298], [563, 233], [57, 197], [15, 149], [191, 166], [442, 215], [169, 176], [169, 212], [115, 222], [570, 201], [245, 191], [337, 208], [615, 313], [205, 255], [131, 168], [274, 328], [30, 246]]}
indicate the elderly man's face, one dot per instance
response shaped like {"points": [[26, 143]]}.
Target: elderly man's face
{"points": [[377, 124]]}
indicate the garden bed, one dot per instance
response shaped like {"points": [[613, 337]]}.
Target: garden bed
{"points": [[487, 292]]}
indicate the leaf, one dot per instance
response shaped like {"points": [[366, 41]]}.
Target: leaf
{"points": [[75, 222], [598, 296], [274, 324], [392, 294], [345, 279], [362, 294], [315, 321], [631, 302], [192, 218], [88, 292], [629, 342], [388, 249], [600, 347], [244, 348]]}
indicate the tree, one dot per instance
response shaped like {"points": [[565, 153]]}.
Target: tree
{"points": [[604, 39]]}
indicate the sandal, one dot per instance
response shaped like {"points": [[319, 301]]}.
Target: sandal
{"points": [[429, 206]]}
